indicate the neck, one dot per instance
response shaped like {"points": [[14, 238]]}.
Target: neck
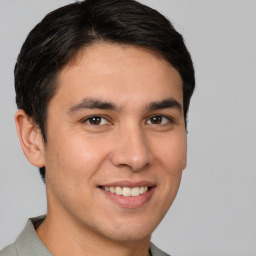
{"points": [[72, 239]]}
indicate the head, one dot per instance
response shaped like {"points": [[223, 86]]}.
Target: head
{"points": [[103, 89], [59, 38]]}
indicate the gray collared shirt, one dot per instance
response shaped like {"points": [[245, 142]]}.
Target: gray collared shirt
{"points": [[29, 244]]}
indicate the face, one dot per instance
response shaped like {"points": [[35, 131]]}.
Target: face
{"points": [[116, 142]]}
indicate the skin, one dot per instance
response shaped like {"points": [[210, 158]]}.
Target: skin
{"points": [[126, 145]]}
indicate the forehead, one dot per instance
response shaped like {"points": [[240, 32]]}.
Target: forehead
{"points": [[123, 73]]}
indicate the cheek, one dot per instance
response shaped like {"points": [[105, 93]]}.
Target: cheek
{"points": [[170, 156], [172, 153], [75, 157], [70, 170]]}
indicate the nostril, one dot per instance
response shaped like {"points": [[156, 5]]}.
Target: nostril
{"points": [[132, 151]]}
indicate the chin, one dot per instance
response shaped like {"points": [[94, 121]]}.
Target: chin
{"points": [[130, 231]]}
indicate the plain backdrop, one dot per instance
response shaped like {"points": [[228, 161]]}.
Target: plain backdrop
{"points": [[215, 210]]}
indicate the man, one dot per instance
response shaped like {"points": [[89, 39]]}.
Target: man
{"points": [[103, 90]]}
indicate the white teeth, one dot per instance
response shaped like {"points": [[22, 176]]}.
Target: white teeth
{"points": [[136, 191], [119, 191], [125, 191]]}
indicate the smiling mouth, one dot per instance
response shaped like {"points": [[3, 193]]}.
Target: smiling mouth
{"points": [[127, 191]]}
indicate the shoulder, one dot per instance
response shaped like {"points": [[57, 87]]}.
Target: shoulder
{"points": [[9, 250], [155, 251], [27, 243]]}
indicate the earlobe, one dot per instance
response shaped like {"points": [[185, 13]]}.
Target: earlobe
{"points": [[184, 164], [30, 138]]}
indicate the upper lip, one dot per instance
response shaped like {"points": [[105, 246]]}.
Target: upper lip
{"points": [[129, 184]]}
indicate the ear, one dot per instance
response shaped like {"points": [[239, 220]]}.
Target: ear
{"points": [[184, 163], [31, 139]]}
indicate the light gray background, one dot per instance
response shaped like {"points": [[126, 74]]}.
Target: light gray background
{"points": [[214, 213]]}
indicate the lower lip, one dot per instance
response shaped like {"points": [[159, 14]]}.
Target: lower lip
{"points": [[130, 201]]}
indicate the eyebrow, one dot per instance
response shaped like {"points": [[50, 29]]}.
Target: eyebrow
{"points": [[90, 103], [163, 104]]}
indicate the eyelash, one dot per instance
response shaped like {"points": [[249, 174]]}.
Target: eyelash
{"points": [[90, 118], [100, 118], [167, 119]]}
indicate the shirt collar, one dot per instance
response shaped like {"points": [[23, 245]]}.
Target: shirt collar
{"points": [[28, 243]]}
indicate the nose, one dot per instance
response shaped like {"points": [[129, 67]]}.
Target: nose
{"points": [[131, 150]]}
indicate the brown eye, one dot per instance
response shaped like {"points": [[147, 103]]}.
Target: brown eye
{"points": [[158, 120], [96, 120]]}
